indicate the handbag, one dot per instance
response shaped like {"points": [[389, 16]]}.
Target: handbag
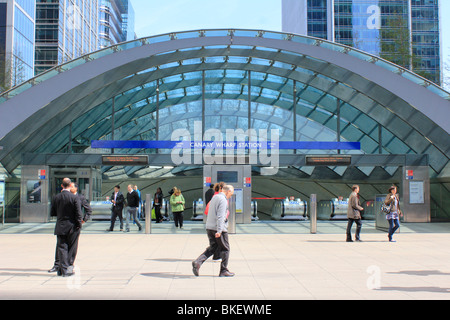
{"points": [[386, 209]]}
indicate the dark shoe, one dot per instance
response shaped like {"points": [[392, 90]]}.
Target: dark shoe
{"points": [[108, 230], [349, 240], [195, 268], [54, 269], [226, 274], [69, 274], [140, 228]]}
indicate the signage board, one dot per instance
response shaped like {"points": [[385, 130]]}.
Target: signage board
{"points": [[328, 160], [125, 160]]}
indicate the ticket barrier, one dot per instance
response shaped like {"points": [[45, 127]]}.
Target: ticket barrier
{"points": [[254, 205], [198, 210], [101, 210], [289, 210], [334, 209]]}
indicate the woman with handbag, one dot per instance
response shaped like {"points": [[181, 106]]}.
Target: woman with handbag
{"points": [[177, 204], [393, 200]]}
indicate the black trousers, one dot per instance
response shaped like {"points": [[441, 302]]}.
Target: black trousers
{"points": [[217, 244], [349, 228], [66, 250], [178, 218], [72, 254], [114, 214], [158, 215]]}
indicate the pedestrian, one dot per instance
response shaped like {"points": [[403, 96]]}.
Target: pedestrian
{"points": [[217, 189], [217, 232], [132, 207], [354, 214], [177, 204], [157, 204], [140, 202], [393, 200], [209, 194], [116, 208], [66, 207]]}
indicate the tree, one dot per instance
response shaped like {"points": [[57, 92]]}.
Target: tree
{"points": [[396, 42]]}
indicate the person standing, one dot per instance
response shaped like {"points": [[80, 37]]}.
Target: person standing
{"points": [[87, 212], [209, 194], [217, 232], [133, 204], [354, 214], [157, 204], [66, 207], [393, 200], [177, 204], [140, 202], [117, 208]]}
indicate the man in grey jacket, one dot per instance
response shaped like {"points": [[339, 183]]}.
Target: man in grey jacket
{"points": [[216, 229], [354, 214]]}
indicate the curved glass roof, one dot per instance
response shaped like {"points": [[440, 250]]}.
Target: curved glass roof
{"points": [[74, 100]]}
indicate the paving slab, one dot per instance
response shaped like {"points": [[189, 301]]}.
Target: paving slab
{"points": [[270, 266]]}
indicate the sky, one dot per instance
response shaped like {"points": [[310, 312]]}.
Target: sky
{"points": [[155, 17]]}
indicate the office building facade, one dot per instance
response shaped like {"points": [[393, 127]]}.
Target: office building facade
{"points": [[17, 41], [116, 22], [65, 30], [405, 32]]}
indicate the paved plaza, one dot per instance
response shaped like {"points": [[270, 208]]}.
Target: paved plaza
{"points": [[272, 261]]}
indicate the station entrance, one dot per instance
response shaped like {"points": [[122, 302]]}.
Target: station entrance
{"points": [[284, 197]]}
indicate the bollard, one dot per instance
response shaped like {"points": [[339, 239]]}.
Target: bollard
{"points": [[313, 213], [148, 214]]}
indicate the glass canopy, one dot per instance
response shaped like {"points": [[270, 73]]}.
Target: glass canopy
{"points": [[143, 89]]}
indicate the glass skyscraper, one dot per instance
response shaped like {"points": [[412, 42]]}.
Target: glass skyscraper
{"points": [[17, 40], [116, 22], [405, 32], [65, 29]]}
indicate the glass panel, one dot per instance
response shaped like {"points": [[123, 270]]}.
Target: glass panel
{"points": [[34, 191]]}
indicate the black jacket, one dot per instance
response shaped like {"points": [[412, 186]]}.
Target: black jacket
{"points": [[119, 201], [66, 207], [208, 195], [86, 206], [158, 197], [133, 199]]}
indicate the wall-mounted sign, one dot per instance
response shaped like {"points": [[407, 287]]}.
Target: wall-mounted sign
{"points": [[124, 160], [328, 160]]}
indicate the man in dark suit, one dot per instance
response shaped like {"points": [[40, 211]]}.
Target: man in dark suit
{"points": [[86, 207], [87, 214], [117, 200], [66, 207]]}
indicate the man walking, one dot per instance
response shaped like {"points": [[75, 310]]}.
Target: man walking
{"points": [[133, 204], [216, 229], [117, 200], [66, 207], [354, 214]]}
